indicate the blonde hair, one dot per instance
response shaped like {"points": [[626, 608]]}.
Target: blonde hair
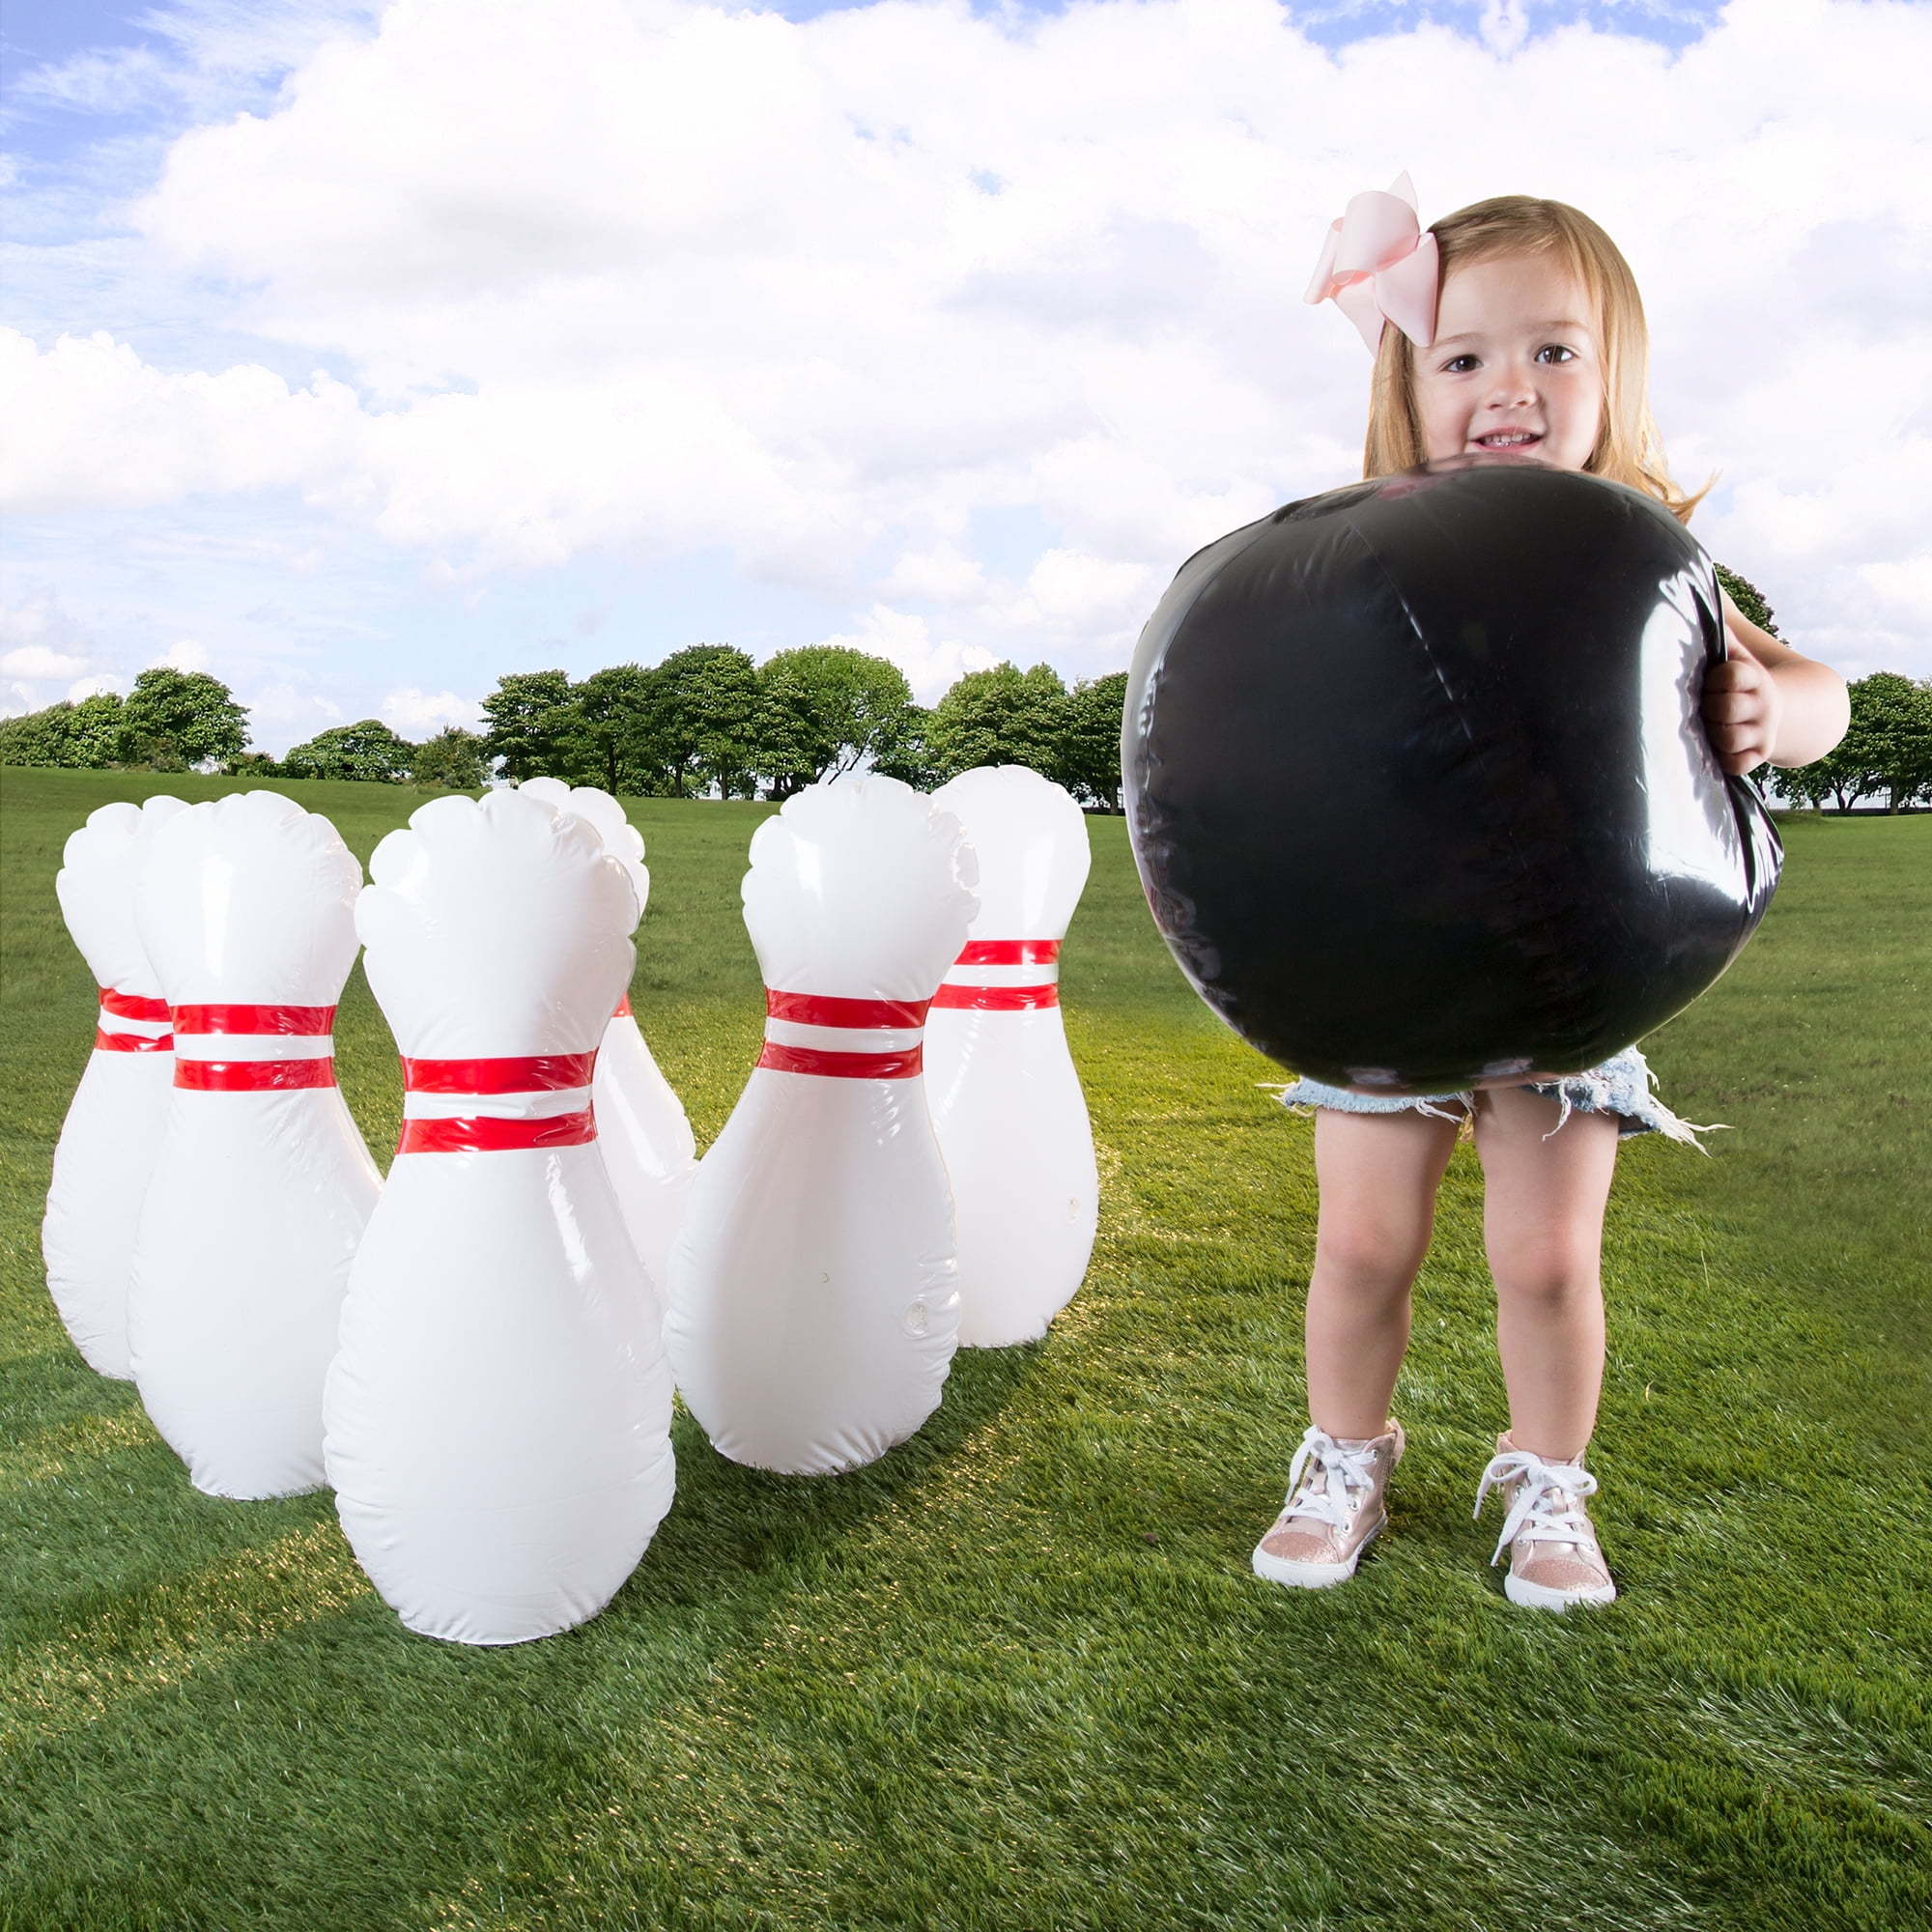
{"points": [[1628, 448]]}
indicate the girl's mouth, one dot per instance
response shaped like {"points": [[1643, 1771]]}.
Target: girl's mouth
{"points": [[1509, 438]]}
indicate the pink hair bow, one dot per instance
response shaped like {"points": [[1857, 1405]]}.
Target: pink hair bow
{"points": [[1378, 265]]}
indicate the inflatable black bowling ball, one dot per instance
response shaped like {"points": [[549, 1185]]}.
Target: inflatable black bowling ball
{"points": [[1417, 784]]}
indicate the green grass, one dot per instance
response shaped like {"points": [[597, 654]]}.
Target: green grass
{"points": [[1016, 1674]]}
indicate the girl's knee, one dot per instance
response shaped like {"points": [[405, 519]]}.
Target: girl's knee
{"points": [[1373, 1253], [1551, 1271]]}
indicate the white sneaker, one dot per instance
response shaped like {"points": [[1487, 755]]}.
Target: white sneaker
{"points": [[1554, 1560], [1333, 1511]]}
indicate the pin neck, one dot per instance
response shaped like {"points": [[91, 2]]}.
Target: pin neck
{"points": [[133, 1005], [287, 1048], [829, 1037], [139, 1012], [1003, 976], [500, 1104]]}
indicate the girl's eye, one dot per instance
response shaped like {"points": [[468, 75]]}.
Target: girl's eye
{"points": [[1554, 351], [1459, 365]]}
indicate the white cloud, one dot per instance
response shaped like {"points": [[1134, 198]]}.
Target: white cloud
{"points": [[98, 686], [645, 277], [39, 622], [185, 656], [38, 661], [39, 642], [930, 663], [279, 715], [91, 425], [418, 714]]}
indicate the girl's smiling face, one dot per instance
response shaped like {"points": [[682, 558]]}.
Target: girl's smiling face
{"points": [[1516, 368]]}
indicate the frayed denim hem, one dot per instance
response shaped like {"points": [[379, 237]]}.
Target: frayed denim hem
{"points": [[1621, 1086]]}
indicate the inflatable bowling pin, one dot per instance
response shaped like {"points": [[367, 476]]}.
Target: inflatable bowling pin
{"points": [[499, 1413], [262, 1186], [642, 1129], [1007, 1103], [813, 1312], [113, 1128]]}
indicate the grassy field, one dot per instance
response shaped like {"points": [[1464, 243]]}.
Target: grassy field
{"points": [[1017, 1675]]}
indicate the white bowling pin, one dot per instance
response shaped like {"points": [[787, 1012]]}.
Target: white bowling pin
{"points": [[113, 1128], [1007, 1103], [642, 1130], [262, 1186], [813, 1312], [499, 1413]]}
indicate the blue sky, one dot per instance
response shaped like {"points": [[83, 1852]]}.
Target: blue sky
{"points": [[398, 363]]}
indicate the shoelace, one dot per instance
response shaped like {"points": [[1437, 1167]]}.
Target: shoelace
{"points": [[1548, 1509], [1345, 1470]]}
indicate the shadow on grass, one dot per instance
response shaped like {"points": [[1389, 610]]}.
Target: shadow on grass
{"points": [[282, 1753], [734, 1524]]}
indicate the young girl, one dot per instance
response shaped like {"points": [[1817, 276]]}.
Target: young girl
{"points": [[1526, 342]]}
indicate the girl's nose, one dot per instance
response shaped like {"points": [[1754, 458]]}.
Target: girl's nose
{"points": [[1514, 383]]}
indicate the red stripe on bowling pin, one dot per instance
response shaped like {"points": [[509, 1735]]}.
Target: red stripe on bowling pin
{"points": [[530, 1073], [132, 1006], [132, 1042], [492, 1133], [142, 1011], [864, 1058], [253, 1076], [1010, 952], [487, 1079], [997, 999], [225, 1019], [280, 1022], [972, 994]]}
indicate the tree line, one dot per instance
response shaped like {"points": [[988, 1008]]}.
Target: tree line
{"points": [[706, 721], [172, 720]]}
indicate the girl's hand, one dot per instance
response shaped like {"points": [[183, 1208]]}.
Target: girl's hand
{"points": [[1742, 709], [1768, 703]]}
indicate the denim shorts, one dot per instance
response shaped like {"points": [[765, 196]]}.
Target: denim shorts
{"points": [[1621, 1086]]}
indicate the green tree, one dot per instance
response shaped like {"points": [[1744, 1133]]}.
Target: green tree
{"points": [[907, 756], [1892, 735], [536, 729], [174, 719], [1748, 599], [823, 710], [621, 736], [35, 737], [86, 735], [367, 750], [999, 717], [705, 699], [1090, 746], [454, 758], [95, 729]]}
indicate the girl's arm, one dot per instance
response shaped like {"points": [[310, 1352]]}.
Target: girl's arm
{"points": [[1768, 703]]}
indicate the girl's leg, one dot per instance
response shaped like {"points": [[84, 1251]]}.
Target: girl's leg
{"points": [[1543, 1222], [1379, 1174]]}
